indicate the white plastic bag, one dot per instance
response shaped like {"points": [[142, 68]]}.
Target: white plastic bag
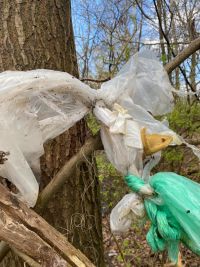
{"points": [[145, 81], [130, 208], [38, 105], [121, 138]]}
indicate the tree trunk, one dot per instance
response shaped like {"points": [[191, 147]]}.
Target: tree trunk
{"points": [[38, 34]]}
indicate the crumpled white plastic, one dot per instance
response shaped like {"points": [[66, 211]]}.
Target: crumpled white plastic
{"points": [[129, 209], [121, 138], [145, 81], [38, 105]]}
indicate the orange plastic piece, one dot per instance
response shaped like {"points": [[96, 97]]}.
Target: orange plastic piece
{"points": [[154, 142]]}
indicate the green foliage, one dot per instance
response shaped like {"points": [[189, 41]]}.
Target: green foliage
{"points": [[164, 59], [92, 123], [185, 120], [185, 117], [111, 182], [173, 155], [127, 53]]}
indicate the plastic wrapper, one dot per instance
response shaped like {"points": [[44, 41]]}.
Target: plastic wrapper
{"points": [[145, 81], [129, 209], [121, 138], [38, 105]]}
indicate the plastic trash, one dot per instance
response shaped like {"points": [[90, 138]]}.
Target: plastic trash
{"points": [[145, 81], [129, 209], [38, 105], [173, 209]]}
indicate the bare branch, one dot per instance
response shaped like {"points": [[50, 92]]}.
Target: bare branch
{"points": [[94, 80], [169, 67], [183, 55], [143, 12], [169, 46], [67, 170]]}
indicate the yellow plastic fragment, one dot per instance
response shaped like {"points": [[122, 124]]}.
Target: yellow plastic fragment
{"points": [[154, 142]]}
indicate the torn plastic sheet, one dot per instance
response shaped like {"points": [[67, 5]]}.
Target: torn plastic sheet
{"points": [[38, 105]]}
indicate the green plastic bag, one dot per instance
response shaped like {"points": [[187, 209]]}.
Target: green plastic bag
{"points": [[174, 211]]}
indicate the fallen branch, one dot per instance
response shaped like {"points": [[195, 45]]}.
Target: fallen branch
{"points": [[93, 143], [26, 231]]}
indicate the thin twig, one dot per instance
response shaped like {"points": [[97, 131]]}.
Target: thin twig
{"points": [[95, 80], [169, 46]]}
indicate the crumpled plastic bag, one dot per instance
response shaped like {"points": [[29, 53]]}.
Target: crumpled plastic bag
{"points": [[145, 81], [38, 105], [129, 209], [121, 138]]}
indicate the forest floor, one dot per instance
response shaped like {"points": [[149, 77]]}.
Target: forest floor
{"points": [[132, 250]]}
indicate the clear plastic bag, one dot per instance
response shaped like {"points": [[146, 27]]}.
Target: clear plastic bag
{"points": [[121, 138], [36, 106], [145, 81]]}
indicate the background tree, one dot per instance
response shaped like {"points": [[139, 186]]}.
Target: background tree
{"points": [[38, 34]]}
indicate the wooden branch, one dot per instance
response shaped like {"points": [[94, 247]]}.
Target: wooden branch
{"points": [[26, 231], [169, 67], [183, 55], [4, 249], [26, 258], [95, 80], [92, 144]]}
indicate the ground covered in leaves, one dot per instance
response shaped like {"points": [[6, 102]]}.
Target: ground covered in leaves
{"points": [[132, 250]]}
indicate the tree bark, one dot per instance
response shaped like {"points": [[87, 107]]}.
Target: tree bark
{"points": [[31, 234], [38, 34]]}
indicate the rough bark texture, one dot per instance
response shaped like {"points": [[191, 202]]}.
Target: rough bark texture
{"points": [[31, 234], [38, 34]]}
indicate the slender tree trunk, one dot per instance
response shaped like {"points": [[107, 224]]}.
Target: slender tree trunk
{"points": [[38, 34], [175, 45], [162, 45], [192, 34]]}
